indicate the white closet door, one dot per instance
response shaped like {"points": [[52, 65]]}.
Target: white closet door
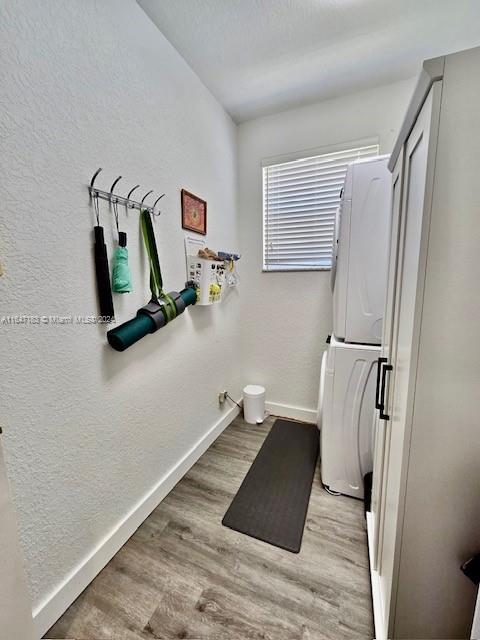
{"points": [[379, 426], [400, 382], [15, 611], [476, 621]]}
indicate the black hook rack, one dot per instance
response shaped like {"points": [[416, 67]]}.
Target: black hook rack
{"points": [[115, 199]]}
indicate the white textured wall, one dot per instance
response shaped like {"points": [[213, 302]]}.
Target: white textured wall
{"points": [[89, 431], [287, 316]]}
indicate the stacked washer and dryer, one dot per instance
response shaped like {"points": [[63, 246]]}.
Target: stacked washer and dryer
{"points": [[349, 365]]}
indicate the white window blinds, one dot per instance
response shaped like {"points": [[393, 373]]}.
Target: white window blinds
{"points": [[300, 199]]}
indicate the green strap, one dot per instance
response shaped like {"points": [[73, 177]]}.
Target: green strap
{"points": [[156, 282], [170, 307]]}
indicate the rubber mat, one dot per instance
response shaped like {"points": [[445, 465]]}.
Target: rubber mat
{"points": [[272, 502]]}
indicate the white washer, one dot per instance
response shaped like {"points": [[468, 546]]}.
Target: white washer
{"points": [[345, 415], [360, 255]]}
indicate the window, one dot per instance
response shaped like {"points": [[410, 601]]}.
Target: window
{"points": [[300, 198]]}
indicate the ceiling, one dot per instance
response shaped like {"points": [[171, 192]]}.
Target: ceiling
{"points": [[262, 56]]}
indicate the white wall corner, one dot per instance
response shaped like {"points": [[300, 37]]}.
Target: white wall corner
{"points": [[290, 411]]}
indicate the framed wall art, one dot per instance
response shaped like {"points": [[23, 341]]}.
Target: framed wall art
{"points": [[194, 213]]}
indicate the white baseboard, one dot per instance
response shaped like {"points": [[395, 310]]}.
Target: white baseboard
{"points": [[376, 598], [50, 610], [289, 411]]}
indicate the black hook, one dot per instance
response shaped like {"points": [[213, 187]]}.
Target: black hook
{"points": [[131, 191], [95, 177], [113, 187], [115, 202], [94, 196], [147, 194], [155, 204]]}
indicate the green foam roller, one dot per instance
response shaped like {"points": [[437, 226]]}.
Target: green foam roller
{"points": [[150, 318], [189, 295], [123, 336]]}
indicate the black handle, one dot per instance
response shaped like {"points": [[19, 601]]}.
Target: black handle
{"points": [[471, 568], [383, 415], [378, 404], [103, 275]]}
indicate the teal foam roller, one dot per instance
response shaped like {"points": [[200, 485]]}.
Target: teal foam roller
{"points": [[149, 319], [123, 336], [189, 295]]}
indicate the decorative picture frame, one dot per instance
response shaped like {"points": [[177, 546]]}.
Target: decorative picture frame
{"points": [[194, 213]]}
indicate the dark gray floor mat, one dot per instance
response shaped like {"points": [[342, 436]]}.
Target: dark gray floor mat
{"points": [[272, 502]]}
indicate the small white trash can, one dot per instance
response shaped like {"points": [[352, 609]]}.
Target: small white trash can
{"points": [[254, 403]]}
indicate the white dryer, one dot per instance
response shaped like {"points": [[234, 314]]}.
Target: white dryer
{"points": [[345, 415], [360, 254]]}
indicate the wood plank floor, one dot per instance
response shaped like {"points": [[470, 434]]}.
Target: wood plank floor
{"points": [[184, 575]]}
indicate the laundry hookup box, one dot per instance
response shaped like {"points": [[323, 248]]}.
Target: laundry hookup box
{"points": [[208, 275]]}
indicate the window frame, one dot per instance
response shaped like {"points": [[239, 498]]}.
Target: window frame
{"points": [[305, 155]]}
